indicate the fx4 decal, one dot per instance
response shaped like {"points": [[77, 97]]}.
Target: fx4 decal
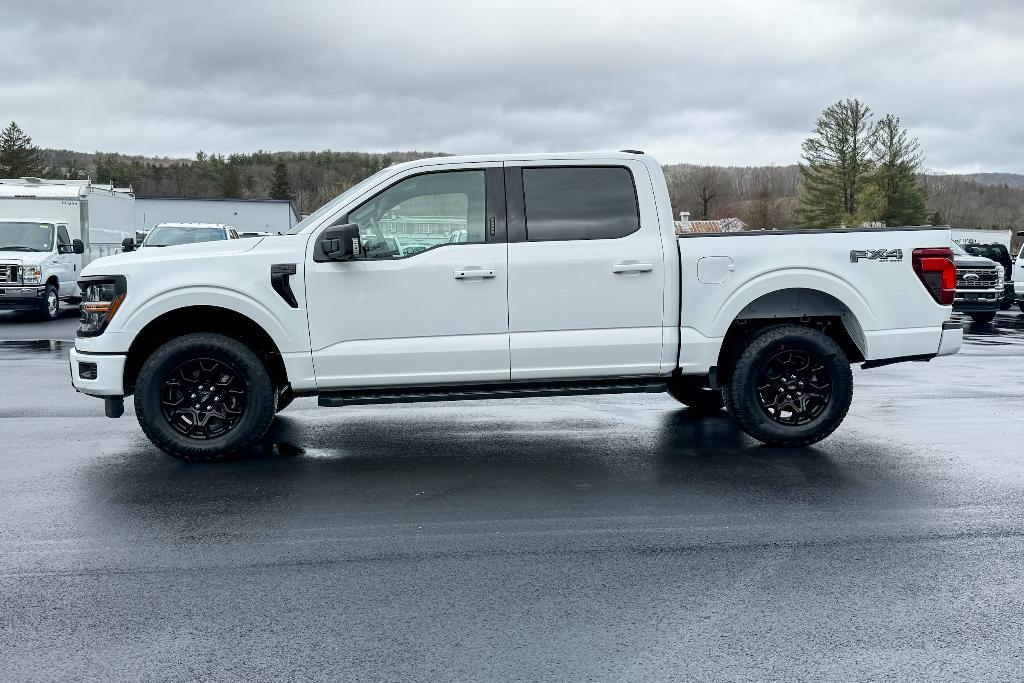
{"points": [[885, 255]]}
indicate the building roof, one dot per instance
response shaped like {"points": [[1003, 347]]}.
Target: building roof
{"points": [[718, 225]]}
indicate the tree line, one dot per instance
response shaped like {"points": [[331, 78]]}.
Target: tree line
{"points": [[854, 170]]}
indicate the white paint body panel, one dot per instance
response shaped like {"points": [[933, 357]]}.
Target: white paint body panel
{"points": [[553, 310]]}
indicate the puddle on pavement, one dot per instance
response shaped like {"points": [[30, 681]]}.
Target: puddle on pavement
{"points": [[22, 349], [1007, 328]]}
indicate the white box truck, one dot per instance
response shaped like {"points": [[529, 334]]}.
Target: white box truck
{"points": [[49, 231]]}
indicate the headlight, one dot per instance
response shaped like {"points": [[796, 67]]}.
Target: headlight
{"points": [[31, 275], [101, 297], [1000, 274]]}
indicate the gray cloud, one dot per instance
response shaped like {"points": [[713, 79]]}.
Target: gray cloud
{"points": [[733, 82]]}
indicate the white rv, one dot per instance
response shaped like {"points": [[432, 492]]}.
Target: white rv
{"points": [[966, 236], [49, 231]]}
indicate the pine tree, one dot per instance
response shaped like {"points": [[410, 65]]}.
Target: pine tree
{"points": [[837, 167], [280, 189], [898, 157], [18, 156], [231, 181]]}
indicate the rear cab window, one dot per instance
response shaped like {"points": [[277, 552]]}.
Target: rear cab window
{"points": [[579, 203]]}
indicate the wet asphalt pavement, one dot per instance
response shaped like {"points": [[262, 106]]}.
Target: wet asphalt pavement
{"points": [[611, 538]]}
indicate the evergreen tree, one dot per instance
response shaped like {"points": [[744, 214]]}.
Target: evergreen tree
{"points": [[280, 189], [898, 157], [837, 166], [231, 181], [18, 156]]}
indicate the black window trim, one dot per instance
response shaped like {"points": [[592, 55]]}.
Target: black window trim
{"points": [[494, 208], [515, 192]]}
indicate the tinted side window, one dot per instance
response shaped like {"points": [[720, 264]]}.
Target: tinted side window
{"points": [[62, 235], [579, 203]]}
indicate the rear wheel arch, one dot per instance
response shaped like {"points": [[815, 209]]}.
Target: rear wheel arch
{"points": [[211, 319], [798, 306]]}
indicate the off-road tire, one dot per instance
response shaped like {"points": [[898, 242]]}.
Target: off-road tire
{"points": [[983, 318], [259, 402], [741, 396], [699, 399], [47, 310]]}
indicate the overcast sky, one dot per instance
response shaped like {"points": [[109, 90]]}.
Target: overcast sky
{"points": [[719, 81]]}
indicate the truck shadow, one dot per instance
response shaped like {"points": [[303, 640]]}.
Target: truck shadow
{"points": [[490, 465]]}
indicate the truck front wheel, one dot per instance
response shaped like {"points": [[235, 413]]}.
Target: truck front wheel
{"points": [[49, 307], [791, 386], [204, 397]]}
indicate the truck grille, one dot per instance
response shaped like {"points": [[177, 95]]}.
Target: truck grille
{"points": [[976, 278], [8, 274]]}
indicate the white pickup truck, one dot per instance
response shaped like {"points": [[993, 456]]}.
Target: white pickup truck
{"points": [[568, 279]]}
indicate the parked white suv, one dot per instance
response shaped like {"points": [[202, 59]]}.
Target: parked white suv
{"points": [[571, 281]]}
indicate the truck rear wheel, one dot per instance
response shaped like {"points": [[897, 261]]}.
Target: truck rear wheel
{"points": [[791, 386], [204, 397], [696, 397]]}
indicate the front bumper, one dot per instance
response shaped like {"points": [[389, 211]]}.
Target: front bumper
{"points": [[21, 297], [98, 374], [1018, 288], [977, 300]]}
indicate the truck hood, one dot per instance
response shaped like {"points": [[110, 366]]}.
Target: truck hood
{"points": [[25, 258], [116, 264], [973, 262]]}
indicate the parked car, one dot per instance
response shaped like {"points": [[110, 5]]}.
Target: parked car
{"points": [[997, 252], [571, 282], [979, 286], [176, 234]]}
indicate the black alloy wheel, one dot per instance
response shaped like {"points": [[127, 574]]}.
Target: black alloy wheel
{"points": [[203, 398], [793, 387]]}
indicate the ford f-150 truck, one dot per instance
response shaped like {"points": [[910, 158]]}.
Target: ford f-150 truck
{"points": [[570, 281]]}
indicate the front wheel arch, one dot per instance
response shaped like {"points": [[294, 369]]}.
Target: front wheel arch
{"points": [[205, 319]]}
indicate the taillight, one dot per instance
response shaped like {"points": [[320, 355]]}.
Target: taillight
{"points": [[937, 271]]}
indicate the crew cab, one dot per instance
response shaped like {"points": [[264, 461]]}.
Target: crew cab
{"points": [[570, 281]]}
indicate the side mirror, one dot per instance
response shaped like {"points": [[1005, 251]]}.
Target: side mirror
{"points": [[338, 243], [128, 244], [78, 246]]}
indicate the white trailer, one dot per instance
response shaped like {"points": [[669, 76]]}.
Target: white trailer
{"points": [[965, 236], [49, 231], [247, 215], [99, 215]]}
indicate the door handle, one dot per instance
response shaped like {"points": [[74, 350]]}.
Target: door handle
{"points": [[632, 267], [472, 273]]}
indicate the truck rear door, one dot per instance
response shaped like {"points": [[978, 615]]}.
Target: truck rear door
{"points": [[586, 282]]}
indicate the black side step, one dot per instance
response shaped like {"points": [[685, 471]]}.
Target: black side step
{"points": [[476, 392]]}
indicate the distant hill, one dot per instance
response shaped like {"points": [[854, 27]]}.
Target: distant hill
{"points": [[1014, 180], [761, 196]]}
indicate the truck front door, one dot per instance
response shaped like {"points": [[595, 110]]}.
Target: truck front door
{"points": [[416, 307], [586, 270]]}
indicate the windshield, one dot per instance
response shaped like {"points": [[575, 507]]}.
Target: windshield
{"points": [[169, 236], [26, 236], [336, 202]]}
